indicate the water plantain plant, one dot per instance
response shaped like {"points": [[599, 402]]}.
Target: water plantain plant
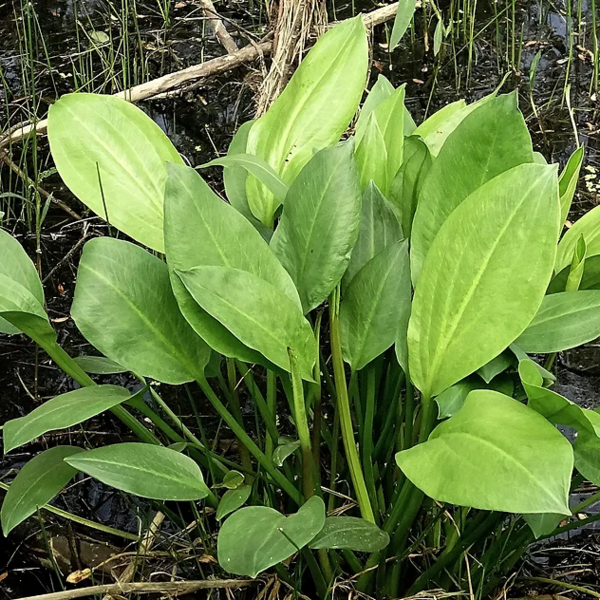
{"points": [[386, 301]]}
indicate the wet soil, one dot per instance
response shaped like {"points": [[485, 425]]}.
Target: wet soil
{"points": [[201, 123]]}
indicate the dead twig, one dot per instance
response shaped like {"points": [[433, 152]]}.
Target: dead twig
{"points": [[173, 588], [216, 23]]}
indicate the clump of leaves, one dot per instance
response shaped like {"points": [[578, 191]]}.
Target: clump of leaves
{"points": [[390, 286]]}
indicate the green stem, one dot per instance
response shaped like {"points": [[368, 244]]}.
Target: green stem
{"points": [[82, 521], [367, 449], [301, 421], [343, 405], [272, 408], [234, 404], [245, 439]]}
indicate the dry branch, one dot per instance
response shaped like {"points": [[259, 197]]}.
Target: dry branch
{"points": [[173, 588], [209, 68], [216, 23]]}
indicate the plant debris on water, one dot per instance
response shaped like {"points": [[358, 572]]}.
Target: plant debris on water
{"points": [[371, 369]]}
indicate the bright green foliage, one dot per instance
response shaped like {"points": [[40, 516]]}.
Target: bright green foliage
{"points": [[379, 228], [567, 182], [295, 296], [378, 297], [553, 406], [125, 307], [320, 224], [312, 112], [40, 480], [564, 320], [114, 159], [61, 412], [490, 141], [256, 538], [256, 312], [406, 9], [588, 227], [494, 454], [484, 278], [144, 470]]}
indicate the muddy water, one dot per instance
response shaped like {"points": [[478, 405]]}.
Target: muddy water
{"points": [[201, 123]]}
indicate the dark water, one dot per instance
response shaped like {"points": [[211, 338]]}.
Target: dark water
{"points": [[201, 123]]}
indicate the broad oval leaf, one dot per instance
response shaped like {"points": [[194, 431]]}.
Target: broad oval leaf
{"points": [[350, 533], [564, 320], [125, 307], [61, 412], [435, 123], [484, 277], [40, 480], [588, 227], [145, 470], [382, 90], [319, 224], [202, 230], [232, 500], [587, 456], [489, 141], [113, 157], [494, 454], [256, 538], [313, 110], [375, 305], [256, 312]]}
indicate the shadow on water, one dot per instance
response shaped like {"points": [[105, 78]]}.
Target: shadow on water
{"points": [[90, 45]]}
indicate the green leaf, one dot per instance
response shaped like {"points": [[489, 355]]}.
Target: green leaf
{"points": [[543, 524], [554, 407], [496, 366], [379, 229], [567, 182], [113, 157], [257, 167], [40, 480], [350, 533], [145, 470], [232, 500], [233, 480], [489, 141], [587, 456], [124, 306], [202, 230], [590, 279], [565, 320], [451, 400], [408, 183], [484, 277], [235, 178], [588, 227], [371, 155], [99, 365], [284, 450], [256, 312], [313, 110], [256, 538], [61, 412], [382, 90], [438, 37], [375, 305], [406, 9], [319, 224], [17, 266], [494, 454]]}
